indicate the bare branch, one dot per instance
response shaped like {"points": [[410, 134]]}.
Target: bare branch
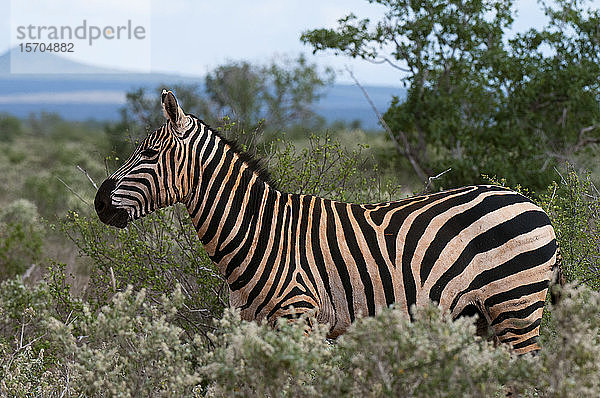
{"points": [[113, 281], [552, 198], [431, 179], [583, 141], [587, 129], [88, 176], [562, 179], [384, 60], [72, 191], [406, 151]]}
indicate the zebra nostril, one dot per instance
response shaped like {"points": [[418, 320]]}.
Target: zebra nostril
{"points": [[102, 201], [107, 212]]}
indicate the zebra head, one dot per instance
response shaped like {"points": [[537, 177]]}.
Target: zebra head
{"points": [[149, 179]]}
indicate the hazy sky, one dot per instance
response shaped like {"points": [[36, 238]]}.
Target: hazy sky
{"points": [[192, 37]]}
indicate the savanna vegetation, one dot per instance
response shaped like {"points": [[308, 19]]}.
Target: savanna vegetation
{"points": [[89, 310]]}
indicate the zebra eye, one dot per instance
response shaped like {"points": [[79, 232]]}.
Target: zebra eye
{"points": [[149, 152]]}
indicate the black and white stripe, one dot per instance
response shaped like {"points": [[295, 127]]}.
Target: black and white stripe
{"points": [[477, 249]]}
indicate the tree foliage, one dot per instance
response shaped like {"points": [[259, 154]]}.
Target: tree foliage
{"points": [[573, 204], [281, 93], [272, 97], [479, 100]]}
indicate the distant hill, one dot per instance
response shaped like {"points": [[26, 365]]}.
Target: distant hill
{"points": [[89, 92]]}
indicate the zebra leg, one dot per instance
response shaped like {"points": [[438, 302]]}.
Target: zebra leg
{"points": [[517, 321], [482, 321], [306, 320], [293, 315]]}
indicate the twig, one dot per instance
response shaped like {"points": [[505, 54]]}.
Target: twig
{"points": [[22, 330], [561, 176], [132, 224], [29, 271], [112, 280], [583, 141], [22, 347], [88, 176], [431, 179], [387, 61], [192, 310], [106, 168], [66, 389], [594, 188], [72, 191], [406, 151], [552, 198]]}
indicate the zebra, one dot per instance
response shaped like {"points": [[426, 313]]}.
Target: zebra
{"points": [[482, 250]]}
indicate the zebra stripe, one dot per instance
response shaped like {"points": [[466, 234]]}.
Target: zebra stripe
{"points": [[482, 249]]}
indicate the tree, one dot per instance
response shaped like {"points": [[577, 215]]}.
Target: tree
{"points": [[234, 90], [10, 127], [282, 93], [478, 100], [275, 96], [290, 91]]}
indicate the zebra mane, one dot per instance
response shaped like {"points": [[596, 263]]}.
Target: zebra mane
{"points": [[255, 164]]}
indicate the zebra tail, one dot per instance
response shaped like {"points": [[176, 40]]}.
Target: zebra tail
{"points": [[557, 278]]}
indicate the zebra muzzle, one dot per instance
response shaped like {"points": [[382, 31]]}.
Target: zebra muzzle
{"points": [[107, 212]]}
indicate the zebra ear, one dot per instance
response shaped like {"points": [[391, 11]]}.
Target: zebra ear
{"points": [[173, 111]]}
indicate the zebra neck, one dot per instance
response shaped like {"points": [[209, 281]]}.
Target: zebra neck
{"points": [[228, 212]]}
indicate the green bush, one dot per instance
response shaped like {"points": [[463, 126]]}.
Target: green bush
{"points": [[10, 127], [20, 238], [127, 348], [25, 374], [155, 253], [568, 363], [257, 360], [24, 362], [432, 356], [325, 167], [133, 347], [573, 204], [389, 355]]}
